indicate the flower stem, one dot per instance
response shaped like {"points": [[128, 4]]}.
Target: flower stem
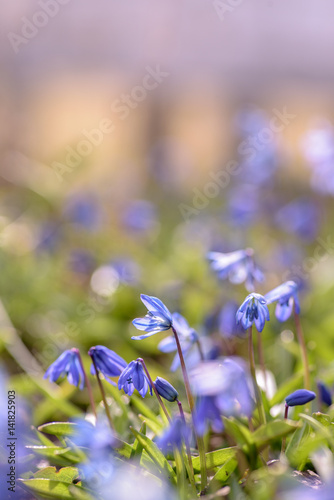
{"points": [[284, 439], [253, 373], [200, 350], [199, 439], [191, 468], [303, 349], [161, 403], [87, 382], [261, 359], [103, 394]]}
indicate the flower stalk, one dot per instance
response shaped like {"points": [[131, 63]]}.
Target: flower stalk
{"points": [[303, 349], [161, 403], [199, 439], [103, 394], [258, 398]]}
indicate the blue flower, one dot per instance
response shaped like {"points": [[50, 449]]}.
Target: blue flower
{"points": [[300, 397], [158, 318], [223, 387], [134, 377], [237, 267], [107, 362], [324, 393], [253, 310], [67, 364], [300, 217], [173, 437], [165, 389], [83, 210], [97, 438], [207, 411], [286, 297], [140, 216], [187, 336]]}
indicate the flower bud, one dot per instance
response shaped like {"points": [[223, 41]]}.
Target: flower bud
{"points": [[324, 393], [165, 389], [300, 397]]}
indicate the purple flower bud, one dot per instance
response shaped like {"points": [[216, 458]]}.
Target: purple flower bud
{"points": [[166, 390], [300, 397]]}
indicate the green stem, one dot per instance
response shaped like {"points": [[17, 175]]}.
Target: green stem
{"points": [[87, 382], [103, 394], [253, 373], [303, 349], [261, 359], [161, 403], [284, 439], [199, 439], [190, 462]]}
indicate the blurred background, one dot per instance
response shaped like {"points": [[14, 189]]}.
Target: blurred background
{"points": [[137, 136]]}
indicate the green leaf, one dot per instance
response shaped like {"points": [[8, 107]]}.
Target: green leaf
{"points": [[225, 471], [317, 426], [296, 440], [276, 429], [144, 409], [155, 454], [238, 431], [157, 429], [137, 446], [323, 418], [215, 458], [51, 452], [64, 475], [48, 488], [124, 449], [59, 428], [287, 388]]}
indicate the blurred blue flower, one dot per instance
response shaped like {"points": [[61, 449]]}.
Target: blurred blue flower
{"points": [[207, 412], [243, 206], [174, 436], [107, 362], [97, 438], [300, 397], [286, 297], [134, 377], [127, 269], [158, 318], [237, 267], [258, 149], [223, 387], [140, 216], [253, 310], [319, 151], [81, 261], [187, 336], [227, 323], [67, 364], [165, 389], [300, 217], [324, 393], [83, 210]]}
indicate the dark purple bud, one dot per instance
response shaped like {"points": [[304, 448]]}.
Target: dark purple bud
{"points": [[166, 390], [300, 397]]}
